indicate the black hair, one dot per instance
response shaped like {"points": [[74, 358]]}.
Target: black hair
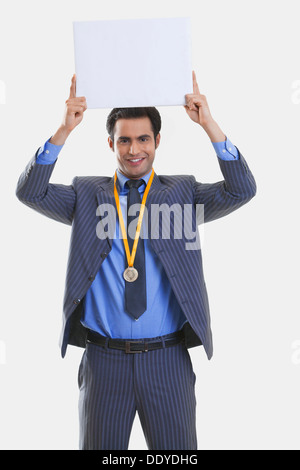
{"points": [[133, 113]]}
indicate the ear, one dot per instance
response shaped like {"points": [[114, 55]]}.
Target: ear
{"points": [[157, 141], [111, 144]]}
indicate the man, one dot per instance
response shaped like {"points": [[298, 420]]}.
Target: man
{"points": [[135, 306]]}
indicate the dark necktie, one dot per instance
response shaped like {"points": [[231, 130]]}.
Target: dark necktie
{"points": [[135, 292]]}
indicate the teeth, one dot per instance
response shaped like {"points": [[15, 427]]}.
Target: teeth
{"points": [[136, 160]]}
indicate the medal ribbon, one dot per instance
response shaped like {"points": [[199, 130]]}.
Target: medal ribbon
{"points": [[130, 257]]}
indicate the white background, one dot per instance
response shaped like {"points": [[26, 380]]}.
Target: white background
{"points": [[246, 56]]}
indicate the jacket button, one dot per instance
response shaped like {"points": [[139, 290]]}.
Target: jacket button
{"points": [[91, 277], [76, 301], [104, 255]]}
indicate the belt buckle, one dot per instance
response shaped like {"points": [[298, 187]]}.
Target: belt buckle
{"points": [[127, 347]]}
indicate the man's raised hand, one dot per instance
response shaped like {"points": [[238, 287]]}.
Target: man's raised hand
{"points": [[196, 105], [198, 110], [75, 107]]}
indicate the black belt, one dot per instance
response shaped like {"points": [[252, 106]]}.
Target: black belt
{"points": [[136, 346]]}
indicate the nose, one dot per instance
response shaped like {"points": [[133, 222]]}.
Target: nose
{"points": [[134, 148]]}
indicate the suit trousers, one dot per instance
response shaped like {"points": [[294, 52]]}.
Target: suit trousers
{"points": [[158, 384]]}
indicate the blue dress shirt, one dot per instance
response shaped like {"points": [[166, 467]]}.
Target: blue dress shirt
{"points": [[103, 305]]}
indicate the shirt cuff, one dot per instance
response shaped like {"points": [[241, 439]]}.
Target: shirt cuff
{"points": [[48, 153], [226, 150]]}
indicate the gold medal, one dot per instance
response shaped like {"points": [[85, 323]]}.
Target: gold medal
{"points": [[130, 274]]}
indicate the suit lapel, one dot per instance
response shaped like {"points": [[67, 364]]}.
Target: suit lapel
{"points": [[158, 194], [155, 190], [105, 196]]}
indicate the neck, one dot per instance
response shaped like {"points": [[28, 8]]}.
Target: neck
{"points": [[134, 177]]}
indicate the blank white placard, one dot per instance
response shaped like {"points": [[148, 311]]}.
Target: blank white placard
{"points": [[133, 63]]}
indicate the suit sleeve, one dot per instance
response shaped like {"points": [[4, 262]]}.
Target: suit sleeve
{"points": [[56, 201], [224, 197]]}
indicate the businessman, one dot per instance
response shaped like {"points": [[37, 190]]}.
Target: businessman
{"points": [[135, 300]]}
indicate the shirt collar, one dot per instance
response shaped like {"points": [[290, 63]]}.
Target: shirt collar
{"points": [[122, 180]]}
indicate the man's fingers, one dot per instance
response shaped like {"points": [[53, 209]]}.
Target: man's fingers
{"points": [[73, 87], [80, 101], [77, 100], [195, 84], [76, 109], [193, 101]]}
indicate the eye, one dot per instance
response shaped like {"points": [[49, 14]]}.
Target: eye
{"points": [[144, 139], [123, 141]]}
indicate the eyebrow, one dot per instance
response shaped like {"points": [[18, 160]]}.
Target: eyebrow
{"points": [[139, 137]]}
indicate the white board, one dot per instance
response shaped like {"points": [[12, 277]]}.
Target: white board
{"points": [[133, 63]]}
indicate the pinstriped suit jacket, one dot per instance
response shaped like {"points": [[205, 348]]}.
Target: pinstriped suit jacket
{"points": [[76, 205]]}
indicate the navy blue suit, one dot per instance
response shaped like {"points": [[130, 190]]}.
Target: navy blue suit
{"points": [[76, 205]]}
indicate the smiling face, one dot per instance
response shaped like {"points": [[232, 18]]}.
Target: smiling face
{"points": [[134, 146]]}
